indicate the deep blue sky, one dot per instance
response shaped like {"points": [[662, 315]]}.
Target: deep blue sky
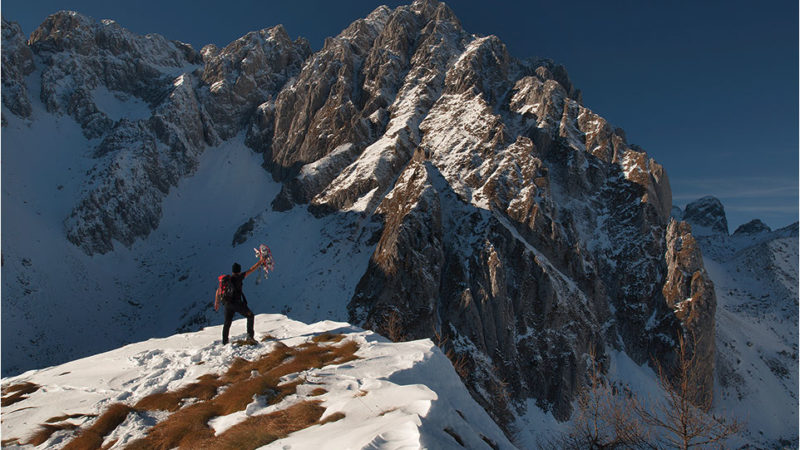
{"points": [[708, 88]]}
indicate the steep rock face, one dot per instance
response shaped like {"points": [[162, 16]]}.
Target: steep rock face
{"points": [[246, 73], [403, 281], [368, 88], [138, 159], [191, 100], [519, 199], [524, 176], [445, 268], [17, 63], [689, 291], [574, 209], [320, 112], [366, 180]]}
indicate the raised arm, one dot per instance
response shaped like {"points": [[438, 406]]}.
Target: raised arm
{"points": [[253, 269]]}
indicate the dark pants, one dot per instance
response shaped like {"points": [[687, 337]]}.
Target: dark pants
{"points": [[241, 308]]}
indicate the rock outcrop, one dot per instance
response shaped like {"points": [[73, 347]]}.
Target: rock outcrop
{"points": [[707, 216], [755, 226], [249, 70], [17, 64], [689, 292]]}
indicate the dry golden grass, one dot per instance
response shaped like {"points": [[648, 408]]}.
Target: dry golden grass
{"points": [[311, 356], [239, 395], [204, 389], [460, 363], [183, 428], [10, 442], [392, 327], [188, 426], [161, 401], [110, 444], [318, 391], [257, 431], [46, 430], [327, 337], [92, 437], [287, 389], [17, 392], [332, 418], [53, 425]]}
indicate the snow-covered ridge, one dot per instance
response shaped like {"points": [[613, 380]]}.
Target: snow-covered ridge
{"points": [[393, 395]]}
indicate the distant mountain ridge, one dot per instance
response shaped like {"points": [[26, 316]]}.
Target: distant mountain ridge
{"points": [[460, 193], [755, 273]]}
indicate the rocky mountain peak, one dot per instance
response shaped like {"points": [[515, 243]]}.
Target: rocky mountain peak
{"points": [[434, 10], [482, 69], [379, 15], [755, 226], [82, 35], [247, 72], [64, 30], [707, 216]]}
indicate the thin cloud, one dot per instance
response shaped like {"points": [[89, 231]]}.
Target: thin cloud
{"points": [[690, 189], [780, 209]]}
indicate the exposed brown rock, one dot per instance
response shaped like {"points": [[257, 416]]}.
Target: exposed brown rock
{"points": [[689, 292], [17, 63]]}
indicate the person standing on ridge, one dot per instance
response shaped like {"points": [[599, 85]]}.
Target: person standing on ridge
{"points": [[237, 302]]}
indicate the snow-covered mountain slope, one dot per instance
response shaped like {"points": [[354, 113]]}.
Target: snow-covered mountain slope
{"points": [[755, 273], [393, 395], [60, 304], [420, 181]]}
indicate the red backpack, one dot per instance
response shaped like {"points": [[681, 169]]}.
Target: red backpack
{"points": [[224, 292]]}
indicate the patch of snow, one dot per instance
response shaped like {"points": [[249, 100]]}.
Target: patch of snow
{"points": [[537, 427], [365, 202], [756, 334], [321, 164], [118, 105]]}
